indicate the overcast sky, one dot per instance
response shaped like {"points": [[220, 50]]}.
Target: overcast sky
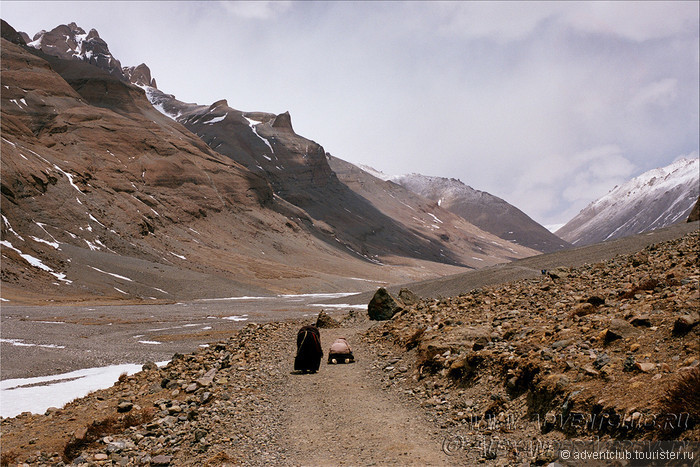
{"points": [[547, 105]]}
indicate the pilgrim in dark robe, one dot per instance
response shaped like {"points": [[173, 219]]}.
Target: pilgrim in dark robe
{"points": [[309, 351]]}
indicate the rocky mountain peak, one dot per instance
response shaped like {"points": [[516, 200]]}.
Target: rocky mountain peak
{"points": [[283, 122], [70, 41], [10, 34], [482, 209], [218, 104], [139, 75], [655, 199]]}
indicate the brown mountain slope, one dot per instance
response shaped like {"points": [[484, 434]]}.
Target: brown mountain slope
{"points": [[88, 162], [423, 216], [104, 196], [298, 171], [486, 211]]}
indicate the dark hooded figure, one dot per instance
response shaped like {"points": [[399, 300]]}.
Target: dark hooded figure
{"points": [[309, 350]]}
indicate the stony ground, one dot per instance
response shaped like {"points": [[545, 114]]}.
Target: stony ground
{"points": [[591, 352]]}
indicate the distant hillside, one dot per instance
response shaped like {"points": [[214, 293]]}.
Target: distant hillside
{"points": [[655, 199], [484, 210]]}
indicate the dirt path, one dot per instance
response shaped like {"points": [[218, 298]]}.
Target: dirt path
{"points": [[341, 416]]}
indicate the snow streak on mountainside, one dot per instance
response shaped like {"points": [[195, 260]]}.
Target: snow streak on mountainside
{"points": [[482, 209], [655, 199]]}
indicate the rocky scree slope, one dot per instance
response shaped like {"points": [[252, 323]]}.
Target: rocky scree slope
{"points": [[612, 344], [423, 215], [295, 167], [299, 172], [655, 199], [92, 137]]}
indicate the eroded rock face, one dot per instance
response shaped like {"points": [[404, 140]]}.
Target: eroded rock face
{"points": [[695, 213], [139, 75], [89, 162], [10, 34], [299, 172]]}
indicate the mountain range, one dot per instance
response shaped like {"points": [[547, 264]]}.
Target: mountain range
{"points": [[114, 189]]}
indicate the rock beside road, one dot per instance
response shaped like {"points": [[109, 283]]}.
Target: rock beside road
{"points": [[383, 305]]}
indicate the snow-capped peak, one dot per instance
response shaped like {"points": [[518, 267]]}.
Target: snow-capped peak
{"points": [[653, 200], [681, 172]]}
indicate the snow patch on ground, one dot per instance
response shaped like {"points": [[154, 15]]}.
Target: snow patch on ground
{"points": [[38, 394], [236, 318], [21, 343], [340, 305], [111, 274]]}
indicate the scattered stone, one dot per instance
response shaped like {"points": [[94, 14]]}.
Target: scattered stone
{"points": [[645, 367], [124, 406], [161, 460], [642, 320], [582, 309], [149, 366], [207, 379], [685, 323], [80, 433], [618, 329], [407, 297]]}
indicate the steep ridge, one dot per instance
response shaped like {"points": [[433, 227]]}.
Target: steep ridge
{"points": [[295, 167], [299, 173], [655, 199], [71, 41], [87, 175], [484, 210]]}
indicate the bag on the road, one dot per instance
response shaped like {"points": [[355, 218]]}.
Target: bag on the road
{"points": [[340, 352], [309, 351]]}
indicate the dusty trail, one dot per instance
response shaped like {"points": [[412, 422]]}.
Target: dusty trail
{"points": [[341, 416]]}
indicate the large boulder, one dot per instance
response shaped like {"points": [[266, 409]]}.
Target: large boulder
{"points": [[383, 305]]}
